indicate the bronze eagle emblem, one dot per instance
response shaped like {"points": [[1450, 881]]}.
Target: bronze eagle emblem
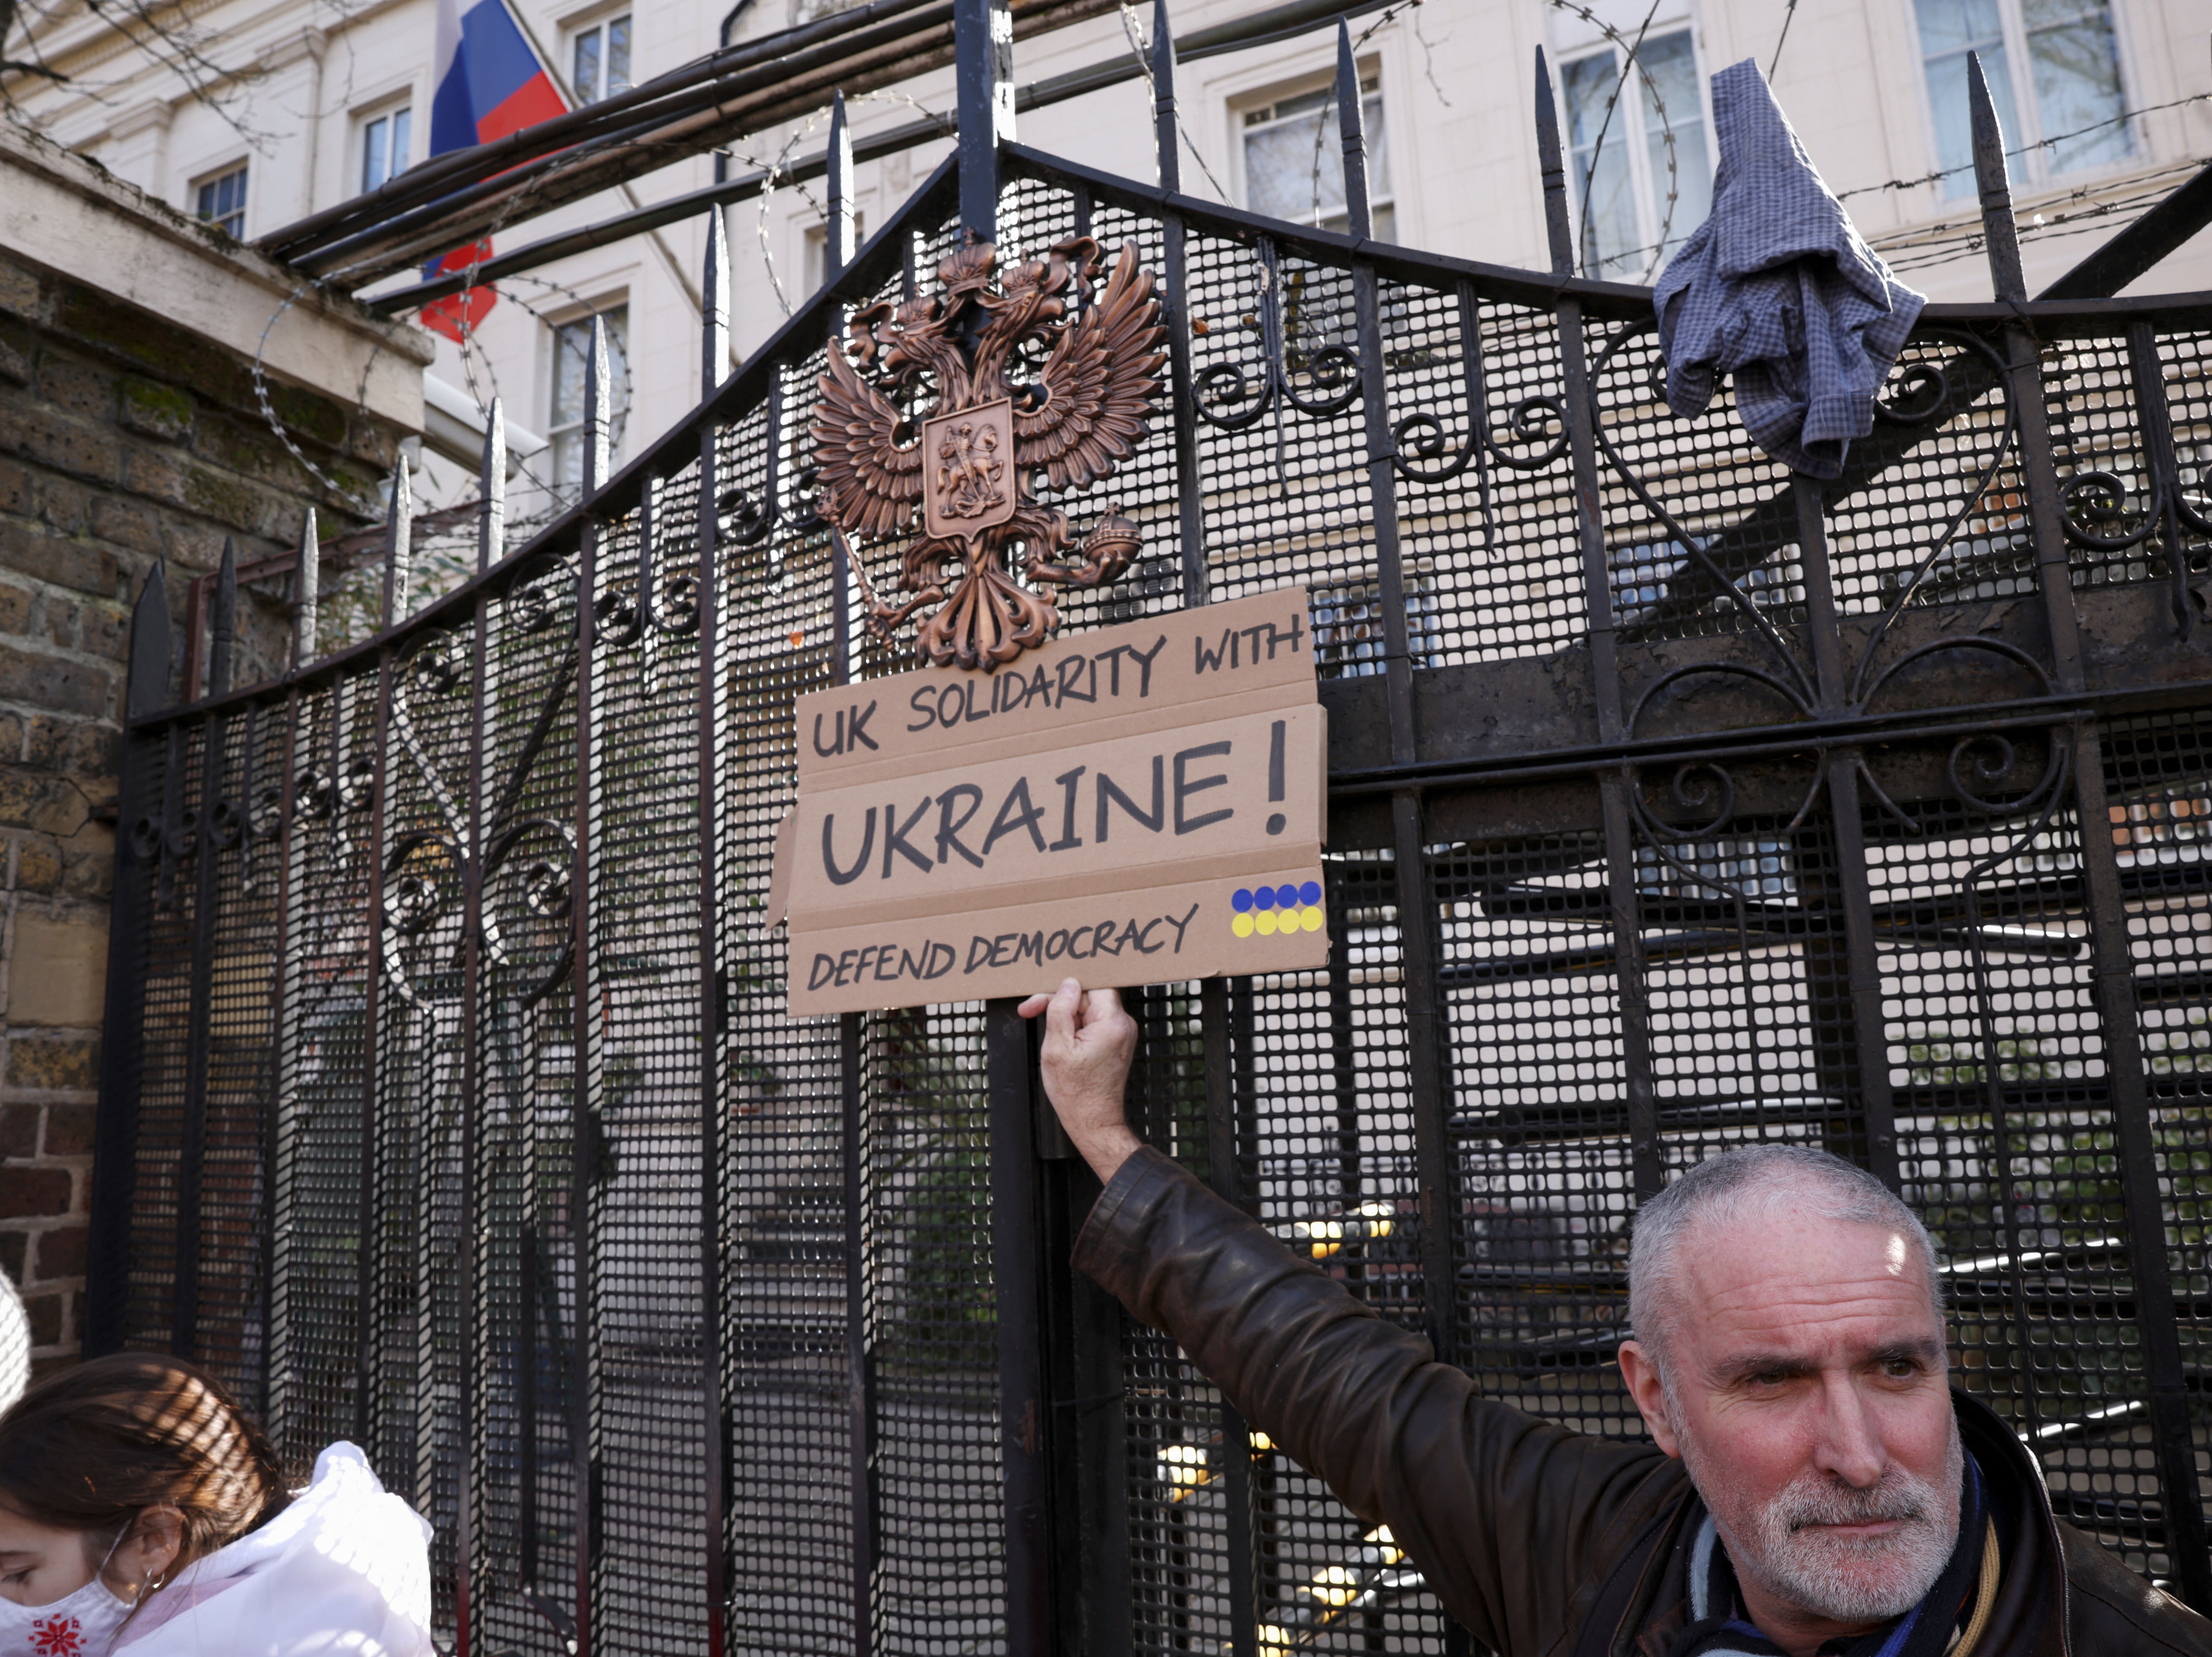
{"points": [[955, 406]]}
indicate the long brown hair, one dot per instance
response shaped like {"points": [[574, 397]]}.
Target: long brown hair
{"points": [[90, 1448]]}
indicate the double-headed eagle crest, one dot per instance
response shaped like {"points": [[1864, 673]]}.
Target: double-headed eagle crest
{"points": [[930, 404]]}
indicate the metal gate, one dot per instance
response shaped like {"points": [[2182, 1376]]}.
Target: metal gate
{"points": [[1676, 802]]}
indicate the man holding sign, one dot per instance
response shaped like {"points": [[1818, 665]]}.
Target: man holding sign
{"points": [[1814, 1486]]}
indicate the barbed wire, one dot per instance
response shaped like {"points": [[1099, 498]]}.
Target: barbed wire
{"points": [[1141, 51], [1321, 120], [1632, 60], [1634, 51], [1789, 17], [2022, 149], [781, 163], [1429, 59], [2046, 225], [269, 408]]}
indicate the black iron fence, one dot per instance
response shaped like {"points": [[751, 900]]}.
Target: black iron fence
{"points": [[1676, 802]]}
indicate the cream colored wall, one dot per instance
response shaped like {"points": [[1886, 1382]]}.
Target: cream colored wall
{"points": [[1457, 82]]}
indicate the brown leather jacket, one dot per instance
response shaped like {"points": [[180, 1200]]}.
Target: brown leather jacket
{"points": [[1540, 1539]]}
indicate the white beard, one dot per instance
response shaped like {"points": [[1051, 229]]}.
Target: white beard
{"points": [[1867, 1581]]}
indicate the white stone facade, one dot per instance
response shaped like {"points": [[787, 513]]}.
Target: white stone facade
{"points": [[1451, 81]]}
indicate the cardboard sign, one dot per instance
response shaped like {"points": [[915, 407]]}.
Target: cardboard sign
{"points": [[1142, 804]]}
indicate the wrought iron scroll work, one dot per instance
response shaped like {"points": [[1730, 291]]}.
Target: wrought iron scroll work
{"points": [[1535, 427], [924, 411], [526, 858], [2096, 512], [1919, 393]]}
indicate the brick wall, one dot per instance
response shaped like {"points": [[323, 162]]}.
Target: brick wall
{"points": [[124, 440]]}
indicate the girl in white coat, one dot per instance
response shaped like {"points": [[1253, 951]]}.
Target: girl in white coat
{"points": [[142, 1514]]}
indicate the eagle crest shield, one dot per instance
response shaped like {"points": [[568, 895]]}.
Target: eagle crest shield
{"points": [[931, 410]]}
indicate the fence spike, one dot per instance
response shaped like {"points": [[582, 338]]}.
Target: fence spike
{"points": [[1552, 159], [983, 64], [307, 592], [714, 313], [648, 525], [148, 685], [1164, 100], [837, 228], [491, 483], [1999, 233], [595, 409], [223, 627], [398, 529], [1351, 128]]}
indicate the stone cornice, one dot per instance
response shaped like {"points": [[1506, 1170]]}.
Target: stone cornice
{"points": [[69, 213]]}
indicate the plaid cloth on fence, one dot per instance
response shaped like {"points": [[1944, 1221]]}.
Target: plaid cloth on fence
{"points": [[1778, 289]]}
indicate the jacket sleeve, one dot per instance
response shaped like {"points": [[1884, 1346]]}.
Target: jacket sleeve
{"points": [[1511, 1520]]}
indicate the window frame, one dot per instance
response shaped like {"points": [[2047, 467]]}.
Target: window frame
{"points": [[2030, 169], [1375, 83], [403, 104], [814, 247], [238, 165], [572, 34], [1643, 184]]}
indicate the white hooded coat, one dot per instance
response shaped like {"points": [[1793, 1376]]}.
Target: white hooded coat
{"points": [[344, 1569]]}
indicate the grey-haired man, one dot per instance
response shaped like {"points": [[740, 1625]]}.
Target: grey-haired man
{"points": [[1814, 1484]]}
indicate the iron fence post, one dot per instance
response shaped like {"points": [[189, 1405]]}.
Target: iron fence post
{"points": [[1427, 1027], [2155, 424], [284, 1033], [191, 1159], [1647, 1168], [585, 1152], [1225, 1178], [1856, 1001], [471, 1266], [292, 992], [137, 831], [983, 72], [1023, 1409], [713, 355], [837, 234], [2112, 953], [851, 1028], [983, 69], [1425, 1033], [371, 1214], [1174, 304]]}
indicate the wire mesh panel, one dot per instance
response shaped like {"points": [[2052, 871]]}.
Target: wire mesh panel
{"points": [[314, 1382], [1679, 803]]}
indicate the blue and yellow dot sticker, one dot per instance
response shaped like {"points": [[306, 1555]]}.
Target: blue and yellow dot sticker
{"points": [[1265, 911]]}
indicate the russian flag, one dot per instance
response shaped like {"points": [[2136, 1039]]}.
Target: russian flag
{"points": [[487, 82]]}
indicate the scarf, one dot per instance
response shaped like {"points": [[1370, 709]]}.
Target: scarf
{"points": [[1927, 1631]]}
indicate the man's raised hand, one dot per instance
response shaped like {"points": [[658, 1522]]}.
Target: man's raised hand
{"points": [[1088, 1043]]}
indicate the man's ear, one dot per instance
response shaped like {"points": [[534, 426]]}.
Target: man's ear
{"points": [[147, 1549], [1641, 1377]]}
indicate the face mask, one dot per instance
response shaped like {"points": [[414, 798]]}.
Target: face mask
{"points": [[83, 1625]]}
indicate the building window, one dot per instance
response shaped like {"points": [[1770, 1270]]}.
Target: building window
{"points": [[817, 249], [2054, 74], [572, 357], [1632, 212], [221, 201], [1294, 166], [601, 59], [386, 143]]}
